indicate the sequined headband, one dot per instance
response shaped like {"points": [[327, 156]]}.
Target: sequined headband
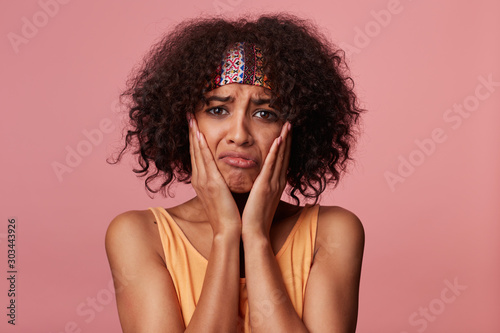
{"points": [[242, 63]]}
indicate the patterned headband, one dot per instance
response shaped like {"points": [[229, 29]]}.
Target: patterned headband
{"points": [[242, 63]]}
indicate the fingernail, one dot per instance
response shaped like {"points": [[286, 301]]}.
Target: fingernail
{"points": [[279, 140], [190, 122], [289, 126], [198, 134]]}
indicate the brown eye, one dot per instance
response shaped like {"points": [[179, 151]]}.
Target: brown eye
{"points": [[217, 111], [266, 115]]}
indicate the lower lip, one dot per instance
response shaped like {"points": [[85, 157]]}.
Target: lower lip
{"points": [[239, 162]]}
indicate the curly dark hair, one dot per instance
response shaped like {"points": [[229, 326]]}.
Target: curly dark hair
{"points": [[310, 86]]}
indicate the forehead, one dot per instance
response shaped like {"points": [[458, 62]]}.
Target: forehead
{"points": [[239, 91]]}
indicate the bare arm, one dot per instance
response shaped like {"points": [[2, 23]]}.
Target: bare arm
{"points": [[217, 309], [270, 307], [145, 294], [148, 302], [331, 299]]}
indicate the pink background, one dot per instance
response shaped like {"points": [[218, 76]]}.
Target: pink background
{"points": [[435, 225]]}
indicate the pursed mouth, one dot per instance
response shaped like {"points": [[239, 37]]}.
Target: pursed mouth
{"points": [[238, 160]]}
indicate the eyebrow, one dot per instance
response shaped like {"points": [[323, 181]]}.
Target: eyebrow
{"points": [[217, 98], [260, 101]]}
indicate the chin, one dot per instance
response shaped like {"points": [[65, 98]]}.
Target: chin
{"points": [[240, 191], [240, 188], [239, 185]]}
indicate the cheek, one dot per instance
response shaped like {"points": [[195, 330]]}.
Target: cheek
{"points": [[212, 135], [267, 139]]}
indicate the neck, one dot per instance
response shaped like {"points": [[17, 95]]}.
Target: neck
{"points": [[241, 200], [283, 210]]}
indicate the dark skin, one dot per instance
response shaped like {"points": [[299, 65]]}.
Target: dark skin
{"points": [[283, 222], [234, 205]]}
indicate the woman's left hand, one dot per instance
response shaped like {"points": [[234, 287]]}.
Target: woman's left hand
{"points": [[267, 189]]}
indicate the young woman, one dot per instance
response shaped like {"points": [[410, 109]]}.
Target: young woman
{"points": [[241, 110]]}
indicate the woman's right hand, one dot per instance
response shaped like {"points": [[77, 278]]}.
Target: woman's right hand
{"points": [[210, 186]]}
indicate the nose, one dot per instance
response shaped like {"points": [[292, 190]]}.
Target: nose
{"points": [[239, 131]]}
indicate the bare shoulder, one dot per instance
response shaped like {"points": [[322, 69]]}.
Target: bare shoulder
{"points": [[145, 294], [132, 230], [133, 223], [341, 230], [335, 219]]}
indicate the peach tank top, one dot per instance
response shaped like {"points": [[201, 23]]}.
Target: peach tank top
{"points": [[187, 266]]}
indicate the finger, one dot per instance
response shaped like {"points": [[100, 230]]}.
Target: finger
{"points": [[207, 167], [200, 166], [281, 164], [273, 162], [194, 169], [288, 150], [268, 168], [207, 156]]}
